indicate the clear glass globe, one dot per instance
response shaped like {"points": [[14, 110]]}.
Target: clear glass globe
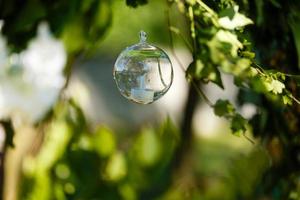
{"points": [[143, 72]]}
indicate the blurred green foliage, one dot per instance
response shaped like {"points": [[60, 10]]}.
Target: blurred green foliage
{"points": [[77, 163], [80, 24]]}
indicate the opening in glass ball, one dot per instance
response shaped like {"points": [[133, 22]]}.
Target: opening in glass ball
{"points": [[143, 72]]}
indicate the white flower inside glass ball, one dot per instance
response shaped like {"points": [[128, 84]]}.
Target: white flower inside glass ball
{"points": [[143, 72]]}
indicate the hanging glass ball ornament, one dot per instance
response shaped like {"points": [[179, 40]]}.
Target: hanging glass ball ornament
{"points": [[143, 72]]}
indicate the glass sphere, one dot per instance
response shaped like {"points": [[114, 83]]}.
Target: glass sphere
{"points": [[143, 72]]}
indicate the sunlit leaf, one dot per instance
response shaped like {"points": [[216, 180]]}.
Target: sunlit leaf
{"points": [[195, 69], [260, 84], [247, 54], [223, 42], [277, 86], [128, 192], [237, 69], [104, 141], [234, 21], [147, 147], [116, 168], [58, 137], [198, 71], [287, 100]]}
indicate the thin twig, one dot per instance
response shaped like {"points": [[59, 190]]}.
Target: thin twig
{"points": [[257, 65], [292, 75], [201, 93], [178, 32], [263, 71], [213, 14], [198, 89], [171, 41], [295, 99], [206, 7], [249, 139]]}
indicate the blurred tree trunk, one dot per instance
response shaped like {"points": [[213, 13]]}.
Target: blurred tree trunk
{"points": [[2, 158], [186, 127], [8, 134]]}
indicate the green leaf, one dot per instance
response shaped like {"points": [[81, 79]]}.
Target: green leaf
{"points": [[237, 69], [236, 21], [247, 54], [116, 168], [252, 72], [147, 148], [195, 69], [287, 100], [229, 12], [169, 130], [268, 84], [29, 15], [223, 43], [261, 84], [104, 142], [277, 86], [73, 32], [207, 73], [223, 107], [214, 75], [238, 125], [191, 2]]}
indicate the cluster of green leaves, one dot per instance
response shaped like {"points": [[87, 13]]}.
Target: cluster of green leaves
{"points": [[223, 108], [271, 82], [78, 163], [79, 23], [216, 43], [220, 46]]}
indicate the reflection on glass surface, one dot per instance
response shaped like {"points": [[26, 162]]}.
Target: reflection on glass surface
{"points": [[143, 72]]}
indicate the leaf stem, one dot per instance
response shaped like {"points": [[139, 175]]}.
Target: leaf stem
{"points": [[263, 71], [201, 93], [171, 40], [178, 32], [206, 7], [249, 139], [213, 14], [259, 67], [295, 99]]}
